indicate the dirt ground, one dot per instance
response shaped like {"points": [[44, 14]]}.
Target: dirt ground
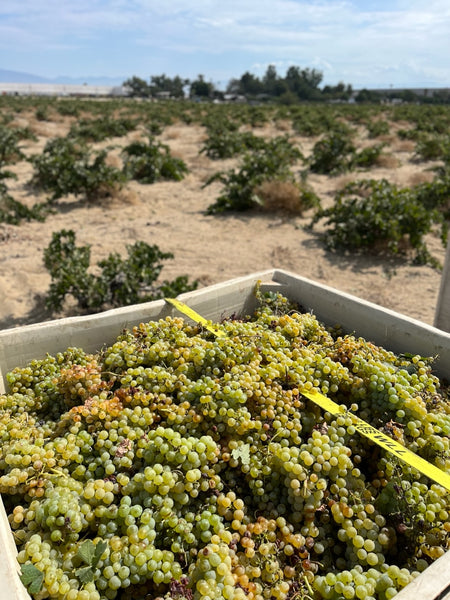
{"points": [[207, 248]]}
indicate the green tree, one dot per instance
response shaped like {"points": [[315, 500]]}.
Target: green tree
{"points": [[139, 88], [337, 92], [312, 77], [303, 82], [270, 80], [174, 86], [248, 85], [405, 95], [368, 96], [294, 80], [201, 88]]}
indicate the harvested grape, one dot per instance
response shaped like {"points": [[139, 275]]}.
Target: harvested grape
{"points": [[178, 464]]}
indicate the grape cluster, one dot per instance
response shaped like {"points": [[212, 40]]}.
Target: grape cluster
{"points": [[194, 468]]}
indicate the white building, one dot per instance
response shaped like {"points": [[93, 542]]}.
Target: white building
{"points": [[54, 89]]}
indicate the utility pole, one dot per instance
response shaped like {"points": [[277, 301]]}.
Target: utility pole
{"points": [[442, 316]]}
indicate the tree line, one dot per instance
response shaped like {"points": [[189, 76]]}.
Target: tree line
{"points": [[297, 85]]}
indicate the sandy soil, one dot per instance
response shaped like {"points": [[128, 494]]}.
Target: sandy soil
{"points": [[208, 248]]}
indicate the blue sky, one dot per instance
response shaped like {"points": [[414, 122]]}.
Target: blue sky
{"points": [[398, 43]]}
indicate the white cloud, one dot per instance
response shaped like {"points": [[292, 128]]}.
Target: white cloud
{"points": [[338, 36]]}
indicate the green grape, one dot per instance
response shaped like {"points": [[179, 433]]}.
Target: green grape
{"points": [[202, 467]]}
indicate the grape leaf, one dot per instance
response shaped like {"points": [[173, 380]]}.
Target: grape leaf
{"points": [[32, 578], [99, 549], [91, 553], [85, 574], [87, 552], [243, 453]]}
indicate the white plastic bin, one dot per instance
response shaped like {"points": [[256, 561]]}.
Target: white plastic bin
{"points": [[232, 298]]}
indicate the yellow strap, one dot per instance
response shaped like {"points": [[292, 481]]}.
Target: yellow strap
{"points": [[392, 446], [382, 440], [189, 312]]}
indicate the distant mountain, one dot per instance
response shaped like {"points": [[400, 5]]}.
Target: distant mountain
{"points": [[17, 77], [7, 76]]}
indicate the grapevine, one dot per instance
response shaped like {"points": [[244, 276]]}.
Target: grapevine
{"points": [[175, 464]]}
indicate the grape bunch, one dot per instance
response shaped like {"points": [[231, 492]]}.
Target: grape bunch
{"points": [[178, 465]]}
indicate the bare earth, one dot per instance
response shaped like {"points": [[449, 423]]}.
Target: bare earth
{"points": [[210, 249]]}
